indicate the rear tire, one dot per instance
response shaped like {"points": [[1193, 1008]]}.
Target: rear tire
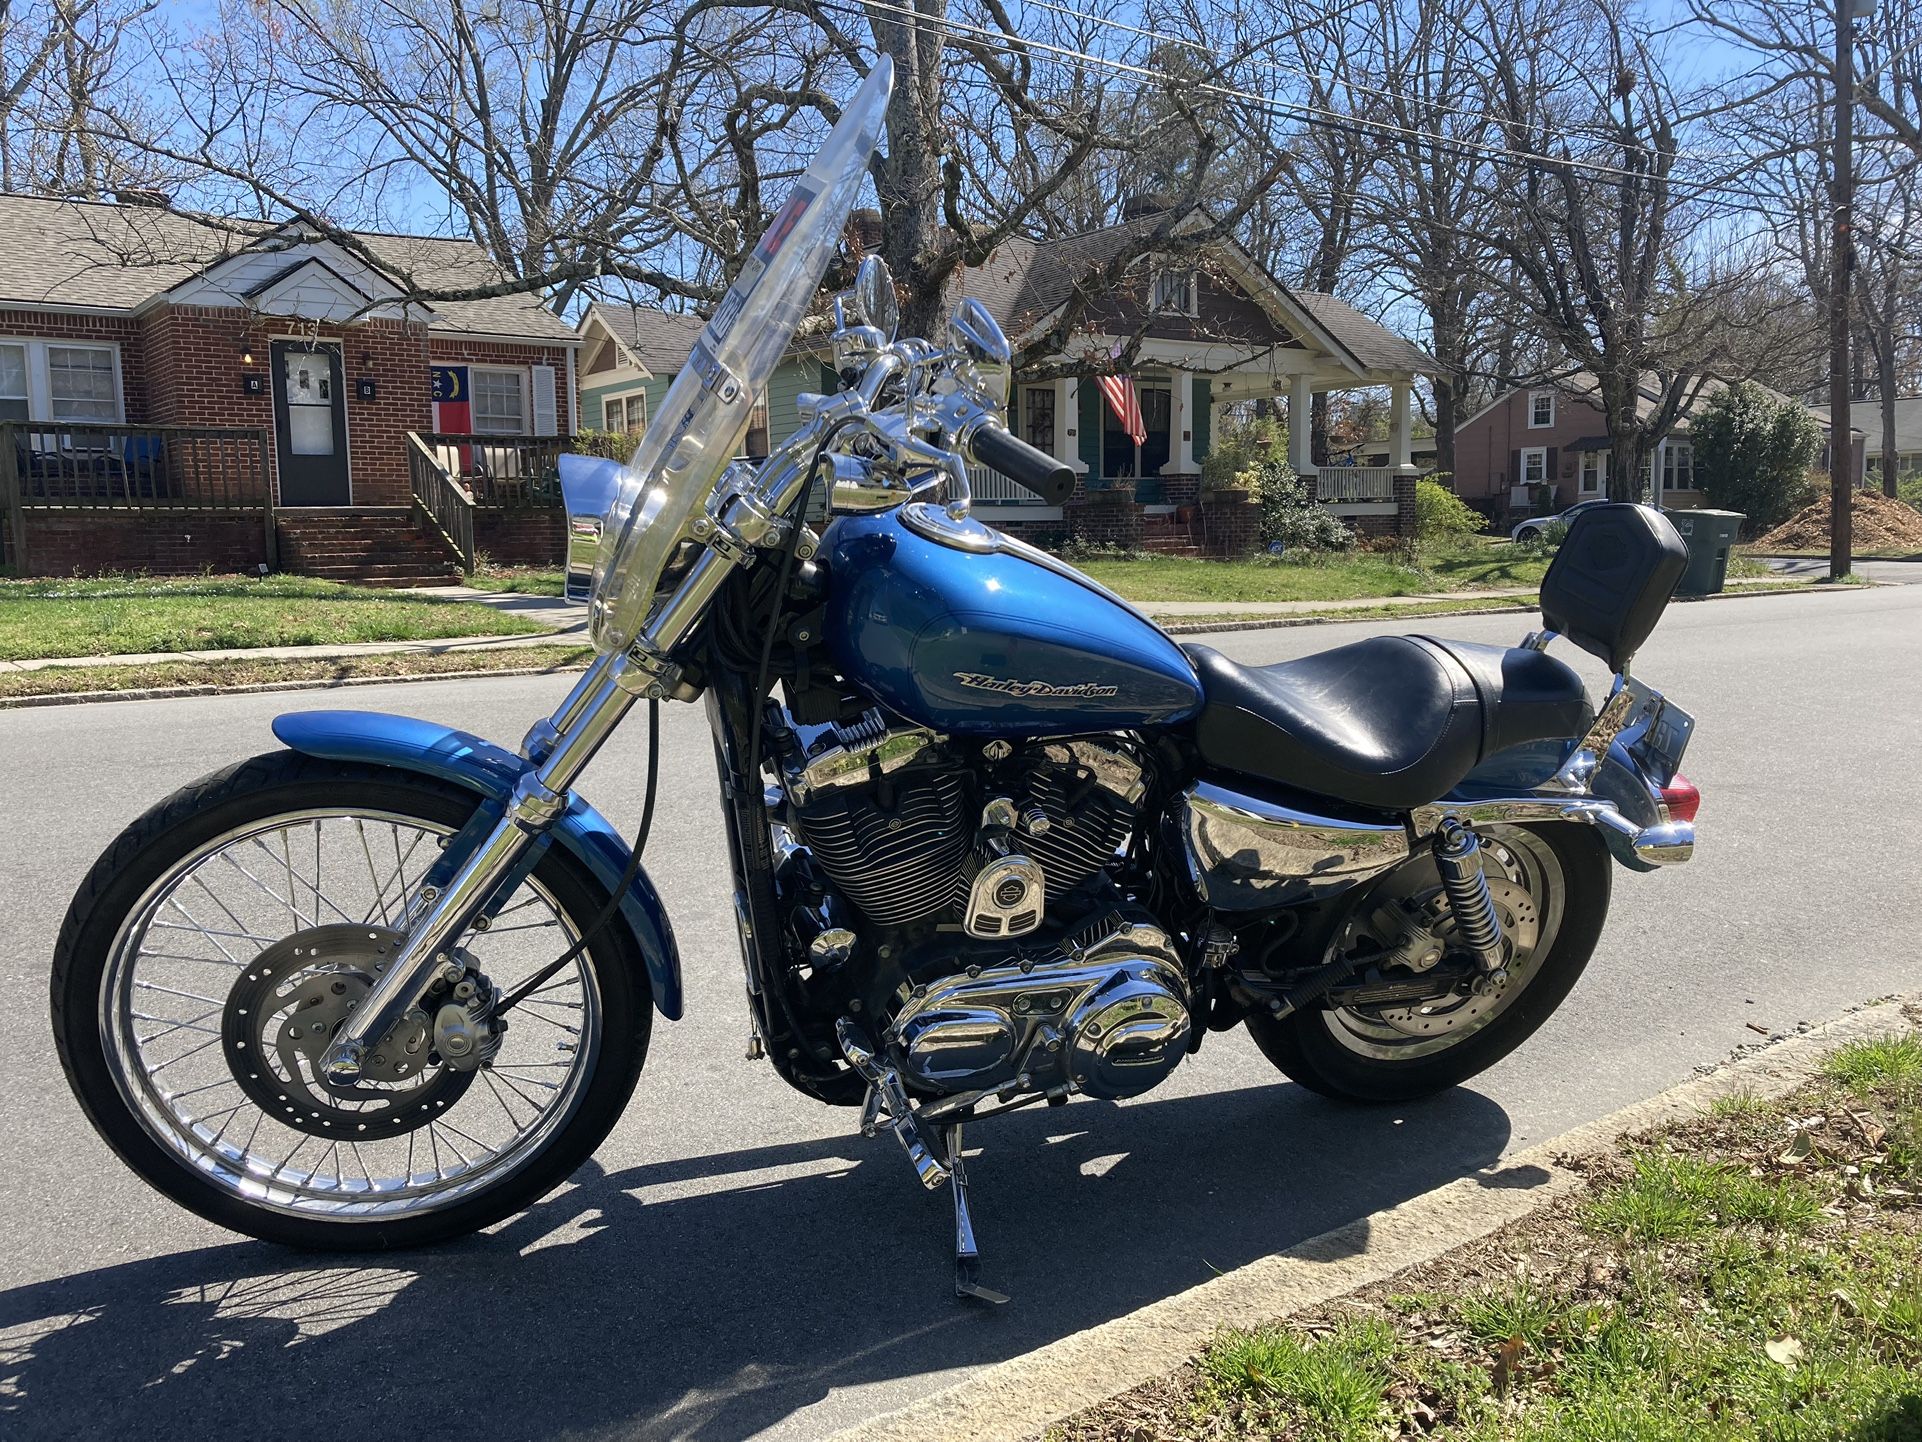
{"points": [[585, 1083], [1312, 1046]]}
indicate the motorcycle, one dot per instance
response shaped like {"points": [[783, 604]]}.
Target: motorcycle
{"points": [[997, 841]]}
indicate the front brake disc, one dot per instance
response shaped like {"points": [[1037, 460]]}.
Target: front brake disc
{"points": [[281, 1016]]}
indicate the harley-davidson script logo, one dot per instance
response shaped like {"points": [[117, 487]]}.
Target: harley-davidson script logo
{"points": [[1009, 687]]}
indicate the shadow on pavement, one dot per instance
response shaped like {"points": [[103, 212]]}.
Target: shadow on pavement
{"points": [[614, 1309]]}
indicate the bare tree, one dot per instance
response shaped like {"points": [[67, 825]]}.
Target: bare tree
{"points": [[62, 64], [1599, 245]]}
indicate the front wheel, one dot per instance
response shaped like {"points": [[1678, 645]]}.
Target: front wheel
{"points": [[221, 940], [1550, 885]]}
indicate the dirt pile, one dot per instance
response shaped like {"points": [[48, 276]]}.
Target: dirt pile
{"points": [[1880, 525]]}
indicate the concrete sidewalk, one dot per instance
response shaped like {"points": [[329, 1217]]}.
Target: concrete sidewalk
{"points": [[568, 621]]}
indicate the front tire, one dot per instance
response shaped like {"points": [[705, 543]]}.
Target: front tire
{"points": [[1560, 875], [219, 924]]}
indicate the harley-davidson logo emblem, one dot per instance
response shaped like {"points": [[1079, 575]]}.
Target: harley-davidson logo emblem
{"points": [[1009, 687]]}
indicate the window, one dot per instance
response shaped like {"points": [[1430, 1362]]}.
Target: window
{"points": [[627, 413], [1535, 466], [755, 447], [1175, 292], [1678, 466], [1541, 410], [53, 381], [80, 385], [1037, 417], [13, 382], [1594, 472], [500, 402]]}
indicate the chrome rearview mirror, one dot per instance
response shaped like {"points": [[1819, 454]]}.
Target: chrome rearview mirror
{"points": [[874, 296], [980, 337]]}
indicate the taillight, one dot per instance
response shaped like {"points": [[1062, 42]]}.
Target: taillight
{"points": [[1681, 798]]}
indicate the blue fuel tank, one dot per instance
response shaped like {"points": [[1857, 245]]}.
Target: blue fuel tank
{"points": [[969, 632]]}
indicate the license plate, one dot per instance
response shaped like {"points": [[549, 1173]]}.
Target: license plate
{"points": [[1664, 740]]}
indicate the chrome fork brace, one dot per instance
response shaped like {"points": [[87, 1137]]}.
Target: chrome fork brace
{"points": [[888, 1109]]}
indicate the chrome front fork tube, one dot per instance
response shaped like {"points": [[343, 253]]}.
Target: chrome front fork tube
{"points": [[560, 747]]}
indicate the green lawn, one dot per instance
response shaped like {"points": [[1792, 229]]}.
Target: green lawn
{"points": [[1331, 578], [1753, 1273], [129, 616], [520, 580]]}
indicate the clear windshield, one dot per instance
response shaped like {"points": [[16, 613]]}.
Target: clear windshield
{"points": [[700, 424]]}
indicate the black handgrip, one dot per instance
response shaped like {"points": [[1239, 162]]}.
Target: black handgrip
{"points": [[1021, 463]]}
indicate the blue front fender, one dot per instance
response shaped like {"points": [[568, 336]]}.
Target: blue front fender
{"points": [[491, 771]]}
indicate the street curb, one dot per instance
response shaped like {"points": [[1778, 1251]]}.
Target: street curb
{"points": [[1277, 623], [1021, 1397]]}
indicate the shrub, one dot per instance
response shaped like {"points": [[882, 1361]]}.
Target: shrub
{"points": [[1908, 489], [1441, 516], [611, 445], [1290, 517], [1237, 449], [1753, 453]]}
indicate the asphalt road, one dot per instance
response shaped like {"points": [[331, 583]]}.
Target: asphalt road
{"points": [[738, 1261]]}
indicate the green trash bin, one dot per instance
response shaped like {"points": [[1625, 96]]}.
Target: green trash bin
{"points": [[1709, 536]]}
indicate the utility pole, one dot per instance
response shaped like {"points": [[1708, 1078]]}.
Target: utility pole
{"points": [[1841, 274]]}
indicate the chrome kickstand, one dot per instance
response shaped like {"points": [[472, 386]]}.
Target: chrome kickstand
{"points": [[967, 1257]]}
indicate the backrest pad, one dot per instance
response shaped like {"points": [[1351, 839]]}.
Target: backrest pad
{"points": [[1611, 579]]}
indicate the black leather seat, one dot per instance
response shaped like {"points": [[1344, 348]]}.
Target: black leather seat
{"points": [[1394, 722]]}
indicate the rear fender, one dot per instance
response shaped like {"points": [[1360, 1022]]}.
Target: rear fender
{"points": [[490, 772]]}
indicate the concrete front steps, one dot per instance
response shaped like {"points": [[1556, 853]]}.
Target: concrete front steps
{"points": [[387, 546]]}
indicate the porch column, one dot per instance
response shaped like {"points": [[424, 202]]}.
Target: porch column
{"points": [[1655, 464], [1301, 400], [1401, 443], [1067, 422], [1181, 424]]}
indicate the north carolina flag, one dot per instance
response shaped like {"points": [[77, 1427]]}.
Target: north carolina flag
{"points": [[1125, 401]]}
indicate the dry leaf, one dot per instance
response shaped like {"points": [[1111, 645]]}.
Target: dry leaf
{"points": [[1799, 1151], [1845, 1303], [1784, 1350], [1505, 1361]]}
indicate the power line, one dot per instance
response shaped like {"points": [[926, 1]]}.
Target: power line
{"points": [[1282, 67], [1310, 114]]}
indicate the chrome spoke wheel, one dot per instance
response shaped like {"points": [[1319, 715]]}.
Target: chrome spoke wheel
{"points": [[1408, 916], [226, 979]]}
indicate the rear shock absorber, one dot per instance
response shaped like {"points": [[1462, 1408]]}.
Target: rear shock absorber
{"points": [[1458, 856]]}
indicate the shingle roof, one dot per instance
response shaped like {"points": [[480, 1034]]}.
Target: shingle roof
{"points": [[1866, 416], [1369, 341], [117, 257], [662, 340]]}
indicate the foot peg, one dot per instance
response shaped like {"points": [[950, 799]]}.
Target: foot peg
{"points": [[888, 1109]]}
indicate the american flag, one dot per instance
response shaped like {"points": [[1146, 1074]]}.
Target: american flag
{"points": [[1125, 401]]}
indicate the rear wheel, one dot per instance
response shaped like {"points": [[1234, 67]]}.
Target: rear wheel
{"points": [[1550, 885], [222, 939]]}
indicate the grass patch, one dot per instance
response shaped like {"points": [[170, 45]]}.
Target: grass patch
{"points": [[1387, 610], [1753, 1273], [118, 616], [258, 671], [520, 580], [1320, 577], [1885, 1062]]}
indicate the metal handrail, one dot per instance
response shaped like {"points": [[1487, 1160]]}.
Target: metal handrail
{"points": [[441, 499]]}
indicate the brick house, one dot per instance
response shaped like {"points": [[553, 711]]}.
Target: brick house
{"points": [[1216, 330], [177, 393], [1542, 449]]}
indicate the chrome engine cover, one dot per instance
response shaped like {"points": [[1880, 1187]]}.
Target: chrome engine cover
{"points": [[1106, 1014]]}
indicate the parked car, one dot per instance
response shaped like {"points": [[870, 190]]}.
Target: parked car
{"points": [[1535, 526]]}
